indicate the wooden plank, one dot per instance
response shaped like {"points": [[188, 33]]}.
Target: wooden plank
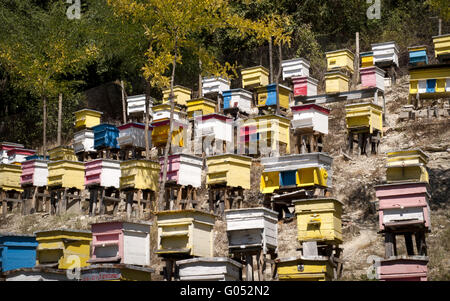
{"points": [[389, 240], [249, 265]]}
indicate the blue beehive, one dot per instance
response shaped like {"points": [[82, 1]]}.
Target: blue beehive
{"points": [[418, 55], [37, 157], [105, 136], [17, 251]]}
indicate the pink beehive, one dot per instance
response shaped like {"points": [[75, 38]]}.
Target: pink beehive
{"points": [[34, 172], [102, 172], [121, 242], [304, 86], [372, 77], [403, 203], [183, 169], [413, 268]]}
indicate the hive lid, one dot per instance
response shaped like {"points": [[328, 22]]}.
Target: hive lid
{"points": [[5, 234], [441, 36], [249, 209], [213, 115], [230, 155], [209, 259], [318, 199], [366, 53], [256, 67], [64, 230], [11, 144], [363, 103], [238, 90], [118, 266], [89, 110], [299, 59], [406, 258], [402, 183], [121, 220], [306, 258], [416, 48], [386, 43], [36, 269], [166, 212], [311, 106]]}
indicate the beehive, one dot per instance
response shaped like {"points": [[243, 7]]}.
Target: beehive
{"points": [[209, 269], [201, 106], [161, 129], [441, 45], [181, 95], [319, 219], [310, 118], [430, 81], [304, 86], [37, 274], [252, 228], [120, 242], [238, 98], [87, 118], [304, 269], [83, 141], [413, 268], [18, 155], [336, 82], [63, 248], [183, 169], [403, 203], [218, 126], [366, 59], [102, 172], [229, 169], [162, 112], [214, 85], [265, 131], [254, 77], [140, 174], [105, 136], [34, 172], [418, 55], [304, 170], [133, 135], [17, 251], [185, 232], [407, 165], [62, 153], [267, 95], [10, 177], [67, 174], [364, 116], [340, 60], [5, 147], [385, 54], [298, 67], [136, 104], [372, 77], [116, 272]]}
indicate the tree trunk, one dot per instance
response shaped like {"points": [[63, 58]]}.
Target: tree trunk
{"points": [[278, 78], [270, 61], [124, 105], [59, 118], [147, 120], [356, 63], [44, 126], [162, 187], [200, 94]]}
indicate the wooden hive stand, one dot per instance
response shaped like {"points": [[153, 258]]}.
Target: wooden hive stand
{"points": [[63, 199], [222, 197], [11, 199]]}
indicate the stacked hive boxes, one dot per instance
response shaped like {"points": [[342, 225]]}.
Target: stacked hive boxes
{"points": [[404, 210], [340, 66], [385, 56], [85, 120], [371, 75]]}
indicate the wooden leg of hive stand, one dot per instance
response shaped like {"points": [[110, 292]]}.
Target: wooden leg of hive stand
{"points": [[101, 203], [179, 196], [4, 203], [350, 144], [140, 204], [94, 196], [260, 263], [226, 199], [389, 244], [249, 266], [169, 268], [409, 244], [34, 205], [129, 201]]}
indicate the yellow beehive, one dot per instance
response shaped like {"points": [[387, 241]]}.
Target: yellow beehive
{"points": [[340, 59], [367, 60], [271, 130], [267, 96], [364, 116], [336, 82], [229, 169], [441, 45], [304, 269], [140, 174], [409, 173], [181, 95], [67, 174], [62, 153], [319, 219], [406, 157], [63, 248], [201, 106], [116, 272], [161, 130], [187, 232], [10, 177], [254, 77], [429, 81], [87, 118]]}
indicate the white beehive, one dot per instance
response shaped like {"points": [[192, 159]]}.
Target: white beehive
{"points": [[18, 155], [385, 53], [238, 98], [34, 172], [295, 67], [83, 141], [136, 104], [183, 169], [133, 135], [5, 147], [214, 85], [216, 126], [209, 269], [310, 118], [162, 112], [252, 228], [102, 172]]}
